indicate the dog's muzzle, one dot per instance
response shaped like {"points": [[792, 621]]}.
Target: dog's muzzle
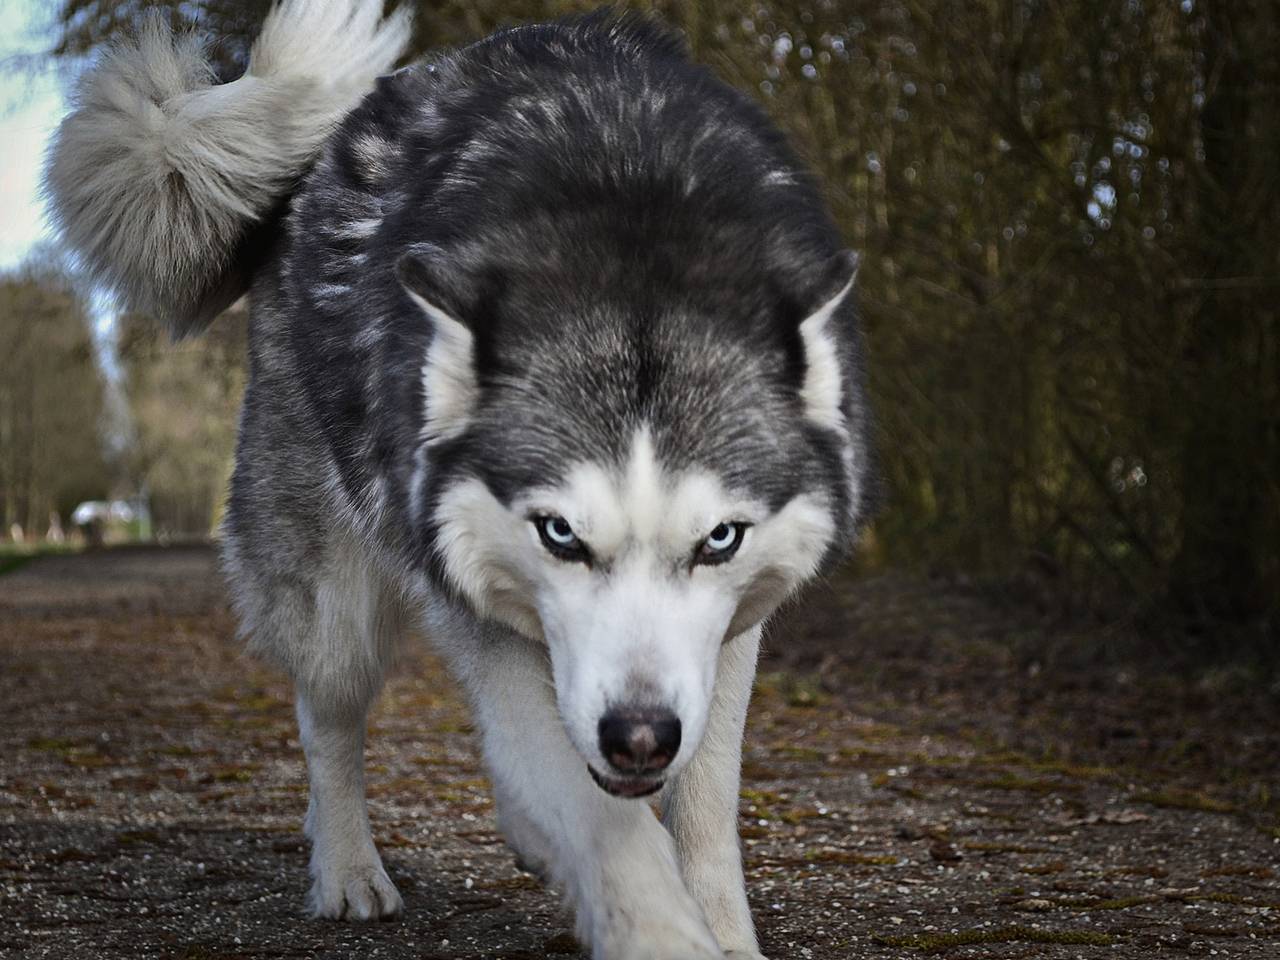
{"points": [[639, 743], [627, 787]]}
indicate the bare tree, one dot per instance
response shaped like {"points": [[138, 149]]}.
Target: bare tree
{"points": [[51, 402], [182, 401]]}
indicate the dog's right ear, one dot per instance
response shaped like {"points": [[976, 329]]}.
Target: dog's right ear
{"points": [[449, 384], [824, 386]]}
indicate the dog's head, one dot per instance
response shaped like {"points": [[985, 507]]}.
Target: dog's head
{"points": [[634, 477]]}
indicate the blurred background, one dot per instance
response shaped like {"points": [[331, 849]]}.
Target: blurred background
{"points": [[1068, 214]]}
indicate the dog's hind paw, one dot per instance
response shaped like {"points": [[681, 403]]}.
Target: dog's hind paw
{"points": [[364, 893]]}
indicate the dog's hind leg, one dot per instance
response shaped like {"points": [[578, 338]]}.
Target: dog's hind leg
{"points": [[614, 860], [700, 806]]}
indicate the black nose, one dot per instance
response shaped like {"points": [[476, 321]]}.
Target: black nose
{"points": [[637, 740]]}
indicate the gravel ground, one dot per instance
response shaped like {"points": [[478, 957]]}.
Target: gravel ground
{"points": [[928, 773]]}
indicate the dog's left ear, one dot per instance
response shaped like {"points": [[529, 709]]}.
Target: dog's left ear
{"points": [[823, 386], [449, 383]]}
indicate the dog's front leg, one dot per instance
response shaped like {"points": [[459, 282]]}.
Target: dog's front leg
{"points": [[701, 805], [532, 848], [349, 881], [615, 862]]}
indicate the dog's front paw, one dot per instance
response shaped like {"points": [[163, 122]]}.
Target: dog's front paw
{"points": [[529, 844], [672, 937], [666, 949], [744, 955], [354, 890]]}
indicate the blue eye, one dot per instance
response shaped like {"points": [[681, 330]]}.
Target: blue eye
{"points": [[721, 543], [558, 537], [559, 532]]}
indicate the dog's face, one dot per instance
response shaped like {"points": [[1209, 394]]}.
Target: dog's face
{"points": [[633, 575], [632, 520]]}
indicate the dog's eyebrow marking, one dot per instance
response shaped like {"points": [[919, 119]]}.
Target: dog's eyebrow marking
{"points": [[641, 502], [589, 501]]}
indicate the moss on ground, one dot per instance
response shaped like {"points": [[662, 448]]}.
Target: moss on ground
{"points": [[1045, 869], [1038, 785], [1184, 800], [1114, 903], [849, 857], [984, 847], [1241, 870], [941, 942]]}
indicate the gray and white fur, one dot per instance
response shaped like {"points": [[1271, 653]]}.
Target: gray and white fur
{"points": [[158, 173], [553, 351]]}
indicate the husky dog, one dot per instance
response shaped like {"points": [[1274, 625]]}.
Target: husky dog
{"points": [[552, 351]]}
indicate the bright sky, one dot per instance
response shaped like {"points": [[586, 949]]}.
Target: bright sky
{"points": [[31, 104]]}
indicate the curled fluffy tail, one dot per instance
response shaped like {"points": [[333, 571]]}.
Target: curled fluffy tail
{"points": [[158, 175]]}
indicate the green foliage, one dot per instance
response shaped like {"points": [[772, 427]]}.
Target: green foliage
{"points": [[182, 400], [51, 403], [1070, 294], [1070, 283], [931, 943]]}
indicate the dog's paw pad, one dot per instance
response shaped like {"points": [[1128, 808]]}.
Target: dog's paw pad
{"points": [[367, 895]]}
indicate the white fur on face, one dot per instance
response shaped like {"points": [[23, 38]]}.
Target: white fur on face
{"points": [[640, 625]]}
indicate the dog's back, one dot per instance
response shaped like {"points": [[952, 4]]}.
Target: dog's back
{"points": [[567, 163]]}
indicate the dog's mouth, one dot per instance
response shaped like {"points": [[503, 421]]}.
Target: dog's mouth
{"points": [[629, 787]]}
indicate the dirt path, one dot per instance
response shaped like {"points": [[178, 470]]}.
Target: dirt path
{"points": [[942, 781]]}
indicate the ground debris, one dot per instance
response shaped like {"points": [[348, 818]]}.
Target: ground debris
{"points": [[152, 791]]}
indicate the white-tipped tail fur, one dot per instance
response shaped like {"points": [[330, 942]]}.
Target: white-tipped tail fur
{"points": [[158, 175]]}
